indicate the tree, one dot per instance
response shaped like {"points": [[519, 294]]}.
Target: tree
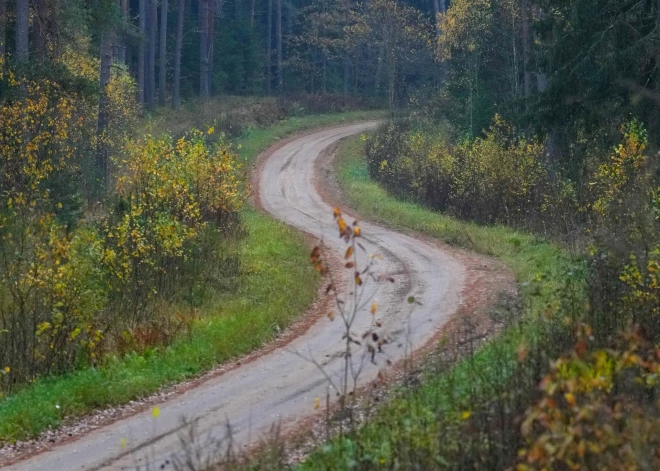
{"points": [[269, 47], [153, 28], [125, 16], [526, 41], [3, 29], [142, 19], [102, 122], [162, 61], [213, 7], [22, 28], [398, 36], [204, 89], [278, 38], [176, 92]]}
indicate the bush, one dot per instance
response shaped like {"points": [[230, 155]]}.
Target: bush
{"points": [[76, 284], [499, 178]]}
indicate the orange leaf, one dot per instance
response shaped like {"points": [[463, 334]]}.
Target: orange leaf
{"points": [[349, 252]]}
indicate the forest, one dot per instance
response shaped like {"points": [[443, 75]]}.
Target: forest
{"points": [[134, 254]]}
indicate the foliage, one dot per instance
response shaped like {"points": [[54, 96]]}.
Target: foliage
{"points": [[73, 281], [500, 177], [238, 289], [597, 410], [594, 407]]}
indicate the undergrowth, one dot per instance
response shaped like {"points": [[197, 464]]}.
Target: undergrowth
{"points": [[265, 298]]}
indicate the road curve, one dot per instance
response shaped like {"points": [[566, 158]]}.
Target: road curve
{"points": [[281, 386]]}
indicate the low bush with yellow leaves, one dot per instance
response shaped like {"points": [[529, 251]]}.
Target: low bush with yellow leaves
{"points": [[83, 272], [501, 177]]}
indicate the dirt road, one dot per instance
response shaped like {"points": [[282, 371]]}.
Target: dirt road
{"points": [[282, 386]]}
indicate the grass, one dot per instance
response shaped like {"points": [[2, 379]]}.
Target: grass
{"points": [[269, 297], [435, 425]]}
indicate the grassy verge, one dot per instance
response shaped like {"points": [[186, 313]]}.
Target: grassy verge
{"points": [[445, 422], [269, 297]]}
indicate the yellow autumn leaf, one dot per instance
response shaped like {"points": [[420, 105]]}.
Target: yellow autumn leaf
{"points": [[466, 414], [317, 402], [155, 412]]}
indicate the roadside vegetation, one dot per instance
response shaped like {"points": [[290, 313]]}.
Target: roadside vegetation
{"points": [[572, 381], [109, 296], [542, 133]]}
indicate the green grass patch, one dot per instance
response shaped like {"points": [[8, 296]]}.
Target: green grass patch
{"points": [[425, 426], [268, 298]]}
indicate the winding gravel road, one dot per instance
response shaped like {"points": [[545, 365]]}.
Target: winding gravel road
{"points": [[281, 386]]}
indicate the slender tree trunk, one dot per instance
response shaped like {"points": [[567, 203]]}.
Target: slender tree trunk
{"points": [[211, 43], [657, 50], [526, 40], [436, 11], [347, 72], [278, 37], [269, 47], [102, 122], [324, 72], [122, 56], [204, 49], [252, 8], [289, 17], [176, 97], [379, 70], [162, 51], [3, 30], [153, 29], [22, 28], [38, 28], [142, 20]]}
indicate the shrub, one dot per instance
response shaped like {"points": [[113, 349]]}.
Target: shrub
{"points": [[498, 178]]}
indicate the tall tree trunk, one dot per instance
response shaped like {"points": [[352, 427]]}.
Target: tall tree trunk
{"points": [[212, 17], [204, 49], [436, 12], [122, 56], [252, 8], [3, 29], [289, 17], [162, 60], [102, 122], [269, 47], [22, 28], [142, 20], [39, 29], [526, 40], [657, 47], [278, 37], [347, 72], [176, 97], [379, 70], [153, 29]]}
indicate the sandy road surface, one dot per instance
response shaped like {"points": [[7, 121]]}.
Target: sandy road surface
{"points": [[281, 386]]}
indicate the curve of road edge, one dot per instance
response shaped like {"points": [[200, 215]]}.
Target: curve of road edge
{"points": [[280, 387]]}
